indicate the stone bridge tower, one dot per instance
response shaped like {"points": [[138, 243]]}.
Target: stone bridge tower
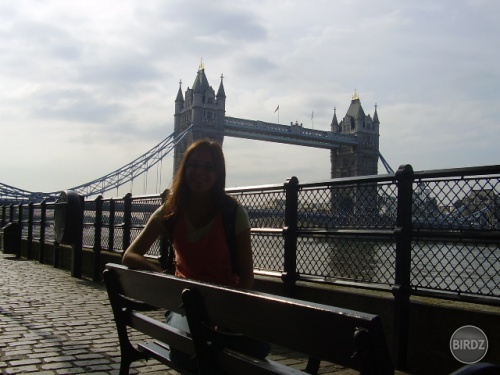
{"points": [[202, 108], [362, 159], [359, 160]]}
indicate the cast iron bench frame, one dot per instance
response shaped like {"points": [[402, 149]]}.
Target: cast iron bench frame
{"points": [[345, 337]]}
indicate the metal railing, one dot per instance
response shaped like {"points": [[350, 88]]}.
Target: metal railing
{"points": [[427, 233]]}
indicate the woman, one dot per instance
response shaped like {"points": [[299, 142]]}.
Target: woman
{"points": [[192, 217], [194, 208]]}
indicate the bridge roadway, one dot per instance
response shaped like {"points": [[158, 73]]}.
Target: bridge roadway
{"points": [[52, 323]]}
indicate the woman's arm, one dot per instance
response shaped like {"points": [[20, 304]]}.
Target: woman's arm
{"points": [[244, 259], [134, 255]]}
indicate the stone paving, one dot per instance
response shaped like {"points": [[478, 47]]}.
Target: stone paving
{"points": [[52, 323]]}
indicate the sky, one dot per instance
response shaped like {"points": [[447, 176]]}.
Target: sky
{"points": [[88, 86]]}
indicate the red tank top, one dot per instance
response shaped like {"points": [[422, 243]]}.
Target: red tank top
{"points": [[207, 259]]}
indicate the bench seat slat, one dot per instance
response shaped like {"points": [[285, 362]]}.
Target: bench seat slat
{"points": [[236, 363], [161, 352], [161, 331]]}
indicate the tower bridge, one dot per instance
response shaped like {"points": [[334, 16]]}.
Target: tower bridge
{"points": [[353, 142], [200, 113]]}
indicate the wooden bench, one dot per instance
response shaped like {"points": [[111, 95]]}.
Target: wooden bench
{"points": [[320, 332]]}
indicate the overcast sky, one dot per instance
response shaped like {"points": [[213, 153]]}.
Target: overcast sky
{"points": [[88, 86]]}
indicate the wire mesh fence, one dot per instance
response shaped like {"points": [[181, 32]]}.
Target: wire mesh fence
{"points": [[442, 230]]}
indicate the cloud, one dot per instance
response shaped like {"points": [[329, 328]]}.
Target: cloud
{"points": [[86, 87], [78, 105], [214, 21]]}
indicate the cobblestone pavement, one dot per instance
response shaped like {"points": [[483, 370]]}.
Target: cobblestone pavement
{"points": [[52, 323]]}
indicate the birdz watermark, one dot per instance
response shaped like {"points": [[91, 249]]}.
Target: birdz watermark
{"points": [[468, 344]]}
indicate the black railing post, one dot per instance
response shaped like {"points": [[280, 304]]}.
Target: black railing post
{"points": [[127, 220], [97, 238], [164, 242], [111, 239], [77, 247], [3, 216], [30, 230], [43, 222], [401, 289], [289, 275], [11, 212], [20, 232]]}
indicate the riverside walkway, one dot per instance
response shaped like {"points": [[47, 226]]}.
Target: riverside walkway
{"points": [[52, 323]]}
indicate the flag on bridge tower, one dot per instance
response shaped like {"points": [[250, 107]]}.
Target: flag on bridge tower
{"points": [[278, 110]]}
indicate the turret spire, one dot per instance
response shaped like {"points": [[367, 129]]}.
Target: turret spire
{"points": [[180, 97], [221, 93], [335, 124]]}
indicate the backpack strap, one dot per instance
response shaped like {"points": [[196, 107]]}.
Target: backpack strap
{"points": [[167, 252], [229, 220]]}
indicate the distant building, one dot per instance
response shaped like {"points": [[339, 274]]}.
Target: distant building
{"points": [[482, 208], [360, 160], [204, 109]]}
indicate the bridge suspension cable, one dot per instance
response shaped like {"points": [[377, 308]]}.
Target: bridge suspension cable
{"points": [[133, 169], [108, 182], [386, 164], [13, 194]]}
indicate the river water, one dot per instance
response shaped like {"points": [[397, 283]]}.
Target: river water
{"points": [[456, 267]]}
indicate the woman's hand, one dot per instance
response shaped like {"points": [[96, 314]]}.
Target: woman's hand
{"points": [[134, 257]]}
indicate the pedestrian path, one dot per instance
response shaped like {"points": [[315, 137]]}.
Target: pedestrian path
{"points": [[52, 323]]}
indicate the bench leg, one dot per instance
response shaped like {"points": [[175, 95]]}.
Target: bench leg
{"points": [[312, 365], [124, 366], [128, 353]]}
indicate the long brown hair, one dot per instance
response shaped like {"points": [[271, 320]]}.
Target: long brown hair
{"points": [[180, 192]]}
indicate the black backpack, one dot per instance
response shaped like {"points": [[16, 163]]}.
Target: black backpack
{"points": [[167, 253]]}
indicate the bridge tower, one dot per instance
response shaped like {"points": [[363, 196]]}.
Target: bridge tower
{"points": [[356, 160], [362, 159], [203, 109]]}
